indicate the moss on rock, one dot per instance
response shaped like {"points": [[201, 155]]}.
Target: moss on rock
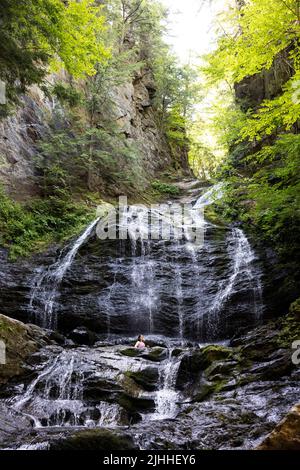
{"points": [[156, 354], [130, 352], [295, 309], [212, 353], [136, 404], [290, 326], [146, 378], [20, 342]]}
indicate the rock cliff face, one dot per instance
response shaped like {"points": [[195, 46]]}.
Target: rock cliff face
{"points": [[132, 111], [18, 136], [251, 91]]}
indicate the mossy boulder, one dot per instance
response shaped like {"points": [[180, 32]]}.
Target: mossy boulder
{"points": [[19, 342], [289, 328], [295, 309], [220, 369], [146, 378], [193, 364], [156, 354], [212, 353], [206, 388], [130, 352], [134, 404], [176, 352], [95, 439]]}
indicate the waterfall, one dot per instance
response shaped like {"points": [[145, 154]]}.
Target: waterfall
{"points": [[242, 258], [167, 397], [46, 283], [170, 286], [143, 283], [209, 196], [56, 392], [180, 300], [56, 396]]}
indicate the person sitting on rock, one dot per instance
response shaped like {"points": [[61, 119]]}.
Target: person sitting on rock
{"points": [[140, 344]]}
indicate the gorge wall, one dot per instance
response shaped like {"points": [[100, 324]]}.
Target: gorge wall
{"points": [[279, 252], [133, 113]]}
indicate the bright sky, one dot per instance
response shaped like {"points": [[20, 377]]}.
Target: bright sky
{"points": [[191, 29], [192, 33]]}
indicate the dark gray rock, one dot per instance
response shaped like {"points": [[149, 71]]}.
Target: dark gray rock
{"points": [[82, 335], [146, 378], [95, 439], [14, 427]]}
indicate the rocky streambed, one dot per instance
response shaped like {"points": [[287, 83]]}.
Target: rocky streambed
{"points": [[107, 395]]}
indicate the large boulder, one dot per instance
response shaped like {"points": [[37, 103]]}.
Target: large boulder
{"points": [[194, 363], [156, 354], [83, 336], [95, 439], [286, 435], [19, 342], [146, 378]]}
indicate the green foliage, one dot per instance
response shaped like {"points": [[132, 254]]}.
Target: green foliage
{"points": [[115, 72], [28, 228], [290, 326], [73, 161], [277, 115], [164, 188], [176, 128], [249, 48], [262, 144], [136, 25], [177, 86], [254, 34], [268, 199], [37, 33], [79, 36], [67, 94], [101, 46]]}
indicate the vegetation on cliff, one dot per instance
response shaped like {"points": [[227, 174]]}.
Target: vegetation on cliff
{"points": [[91, 58], [256, 69]]}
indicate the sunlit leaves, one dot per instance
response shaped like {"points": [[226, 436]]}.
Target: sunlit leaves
{"points": [[253, 37], [79, 32]]}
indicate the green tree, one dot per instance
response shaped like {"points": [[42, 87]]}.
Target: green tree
{"points": [[37, 33], [261, 139]]}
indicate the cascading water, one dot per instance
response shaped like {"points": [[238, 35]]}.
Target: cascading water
{"points": [[242, 258], [167, 396], [56, 397], [140, 285], [155, 285], [46, 283]]}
